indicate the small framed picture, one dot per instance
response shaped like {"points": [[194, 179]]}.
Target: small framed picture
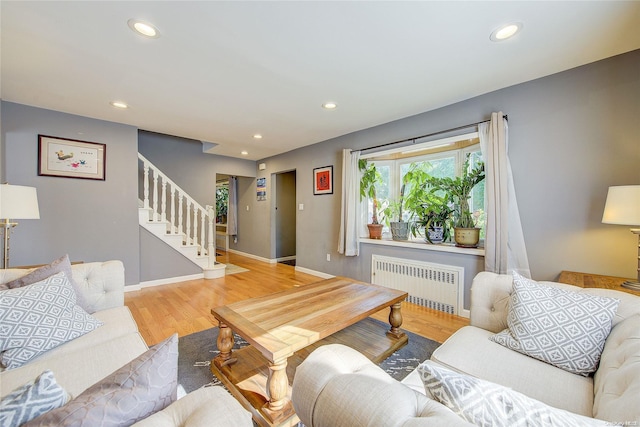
{"points": [[323, 180], [70, 158], [261, 189]]}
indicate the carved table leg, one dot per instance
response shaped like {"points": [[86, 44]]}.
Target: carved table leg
{"points": [[395, 320], [225, 345], [277, 385]]}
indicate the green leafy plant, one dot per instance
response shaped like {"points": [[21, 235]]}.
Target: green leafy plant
{"points": [[435, 212], [459, 189], [222, 202], [370, 176]]}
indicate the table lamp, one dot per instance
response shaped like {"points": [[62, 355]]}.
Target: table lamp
{"points": [[623, 208], [16, 202]]}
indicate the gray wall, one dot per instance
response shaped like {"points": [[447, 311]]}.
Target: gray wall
{"points": [[183, 161], [90, 220], [571, 134]]}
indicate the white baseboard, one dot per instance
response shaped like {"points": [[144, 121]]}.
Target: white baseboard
{"points": [[160, 282], [314, 273], [286, 258], [252, 256]]}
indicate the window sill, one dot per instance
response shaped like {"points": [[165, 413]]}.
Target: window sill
{"points": [[417, 244]]}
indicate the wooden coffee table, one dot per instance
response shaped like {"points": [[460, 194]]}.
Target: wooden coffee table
{"points": [[283, 328]]}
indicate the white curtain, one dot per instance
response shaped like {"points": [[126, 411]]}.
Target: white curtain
{"points": [[232, 209], [348, 237], [505, 250]]}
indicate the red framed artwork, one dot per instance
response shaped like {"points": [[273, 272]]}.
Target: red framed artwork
{"points": [[323, 180]]}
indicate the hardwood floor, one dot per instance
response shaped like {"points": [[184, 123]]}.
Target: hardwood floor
{"points": [[185, 307]]}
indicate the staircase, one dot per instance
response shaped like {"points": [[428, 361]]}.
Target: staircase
{"points": [[187, 227]]}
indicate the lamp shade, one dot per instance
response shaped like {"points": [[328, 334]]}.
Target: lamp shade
{"points": [[623, 205], [18, 202]]}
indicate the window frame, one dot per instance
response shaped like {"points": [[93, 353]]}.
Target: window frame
{"points": [[459, 155]]}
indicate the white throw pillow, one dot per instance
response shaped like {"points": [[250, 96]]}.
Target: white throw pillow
{"points": [[564, 328], [39, 317], [484, 403]]}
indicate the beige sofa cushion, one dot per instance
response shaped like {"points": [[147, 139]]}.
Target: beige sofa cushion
{"points": [[206, 406], [617, 381], [490, 294], [136, 390], [338, 387], [93, 356], [470, 351], [485, 403]]}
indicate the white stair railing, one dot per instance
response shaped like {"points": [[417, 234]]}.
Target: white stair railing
{"points": [[155, 188]]}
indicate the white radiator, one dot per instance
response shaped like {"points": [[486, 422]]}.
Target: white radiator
{"points": [[436, 286]]}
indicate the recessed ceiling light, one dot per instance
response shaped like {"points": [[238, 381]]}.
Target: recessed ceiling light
{"points": [[143, 28], [329, 105], [244, 152], [119, 104], [257, 136], [506, 31]]}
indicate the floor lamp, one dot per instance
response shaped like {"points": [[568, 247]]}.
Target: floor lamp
{"points": [[623, 208], [16, 202]]}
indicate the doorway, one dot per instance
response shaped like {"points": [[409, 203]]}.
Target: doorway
{"points": [[285, 217]]}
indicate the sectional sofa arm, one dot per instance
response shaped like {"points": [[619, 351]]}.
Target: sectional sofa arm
{"points": [[337, 386]]}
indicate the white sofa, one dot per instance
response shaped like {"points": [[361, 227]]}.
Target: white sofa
{"points": [[336, 386], [82, 362]]}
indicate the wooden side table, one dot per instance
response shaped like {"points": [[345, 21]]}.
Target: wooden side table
{"points": [[586, 280]]}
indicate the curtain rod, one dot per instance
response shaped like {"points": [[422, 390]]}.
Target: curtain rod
{"points": [[427, 135]]}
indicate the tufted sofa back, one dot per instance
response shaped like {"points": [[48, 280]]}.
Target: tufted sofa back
{"points": [[617, 380], [100, 284]]}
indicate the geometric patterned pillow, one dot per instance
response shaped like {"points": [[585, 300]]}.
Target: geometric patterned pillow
{"points": [[484, 403], [32, 400], [39, 317], [564, 328], [140, 388]]}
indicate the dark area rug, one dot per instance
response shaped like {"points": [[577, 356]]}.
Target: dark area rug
{"points": [[197, 350]]}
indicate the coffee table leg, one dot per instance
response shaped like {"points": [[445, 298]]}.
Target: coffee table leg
{"points": [[225, 345], [395, 319], [277, 385]]}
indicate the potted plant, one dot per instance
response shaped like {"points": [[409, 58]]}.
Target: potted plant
{"points": [[459, 189], [370, 176], [399, 228], [434, 216]]}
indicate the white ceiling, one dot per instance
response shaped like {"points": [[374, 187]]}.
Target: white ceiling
{"points": [[223, 71]]}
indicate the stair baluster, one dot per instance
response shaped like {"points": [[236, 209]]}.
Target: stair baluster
{"points": [[201, 236]]}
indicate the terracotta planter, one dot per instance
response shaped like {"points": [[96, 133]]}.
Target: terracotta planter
{"points": [[467, 237], [375, 231]]}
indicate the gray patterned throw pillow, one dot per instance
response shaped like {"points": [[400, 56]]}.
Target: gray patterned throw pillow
{"points": [[38, 317], [486, 404], [564, 328], [32, 400]]}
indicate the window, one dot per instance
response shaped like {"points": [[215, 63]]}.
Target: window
{"points": [[440, 158]]}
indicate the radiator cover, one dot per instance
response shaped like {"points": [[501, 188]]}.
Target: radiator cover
{"points": [[436, 286]]}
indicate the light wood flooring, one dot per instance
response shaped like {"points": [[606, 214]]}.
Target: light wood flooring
{"points": [[185, 307]]}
